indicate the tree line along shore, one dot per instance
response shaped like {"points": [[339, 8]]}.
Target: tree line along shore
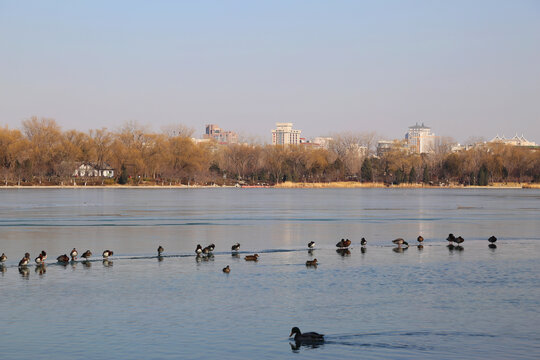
{"points": [[42, 154]]}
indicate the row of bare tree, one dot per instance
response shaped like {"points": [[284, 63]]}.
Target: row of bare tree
{"points": [[42, 153]]}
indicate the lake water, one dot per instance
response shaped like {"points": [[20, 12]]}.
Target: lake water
{"points": [[378, 303]]}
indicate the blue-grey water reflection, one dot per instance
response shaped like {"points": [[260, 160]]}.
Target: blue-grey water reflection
{"points": [[376, 302]]}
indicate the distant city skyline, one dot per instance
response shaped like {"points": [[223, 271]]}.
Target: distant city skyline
{"points": [[468, 69]]}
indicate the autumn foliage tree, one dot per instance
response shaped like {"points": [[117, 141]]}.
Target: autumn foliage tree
{"points": [[41, 153]]}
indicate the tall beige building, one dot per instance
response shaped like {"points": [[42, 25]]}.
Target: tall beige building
{"points": [[284, 134], [420, 139]]}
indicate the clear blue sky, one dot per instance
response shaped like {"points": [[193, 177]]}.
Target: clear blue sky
{"points": [[465, 68]]}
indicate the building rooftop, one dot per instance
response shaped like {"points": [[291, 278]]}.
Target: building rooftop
{"points": [[416, 126]]}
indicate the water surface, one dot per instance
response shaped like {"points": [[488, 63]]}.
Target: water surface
{"points": [[430, 303]]}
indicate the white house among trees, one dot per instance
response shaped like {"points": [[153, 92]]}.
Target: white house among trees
{"points": [[92, 170]]}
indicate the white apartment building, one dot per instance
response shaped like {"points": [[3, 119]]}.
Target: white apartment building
{"points": [[420, 139], [285, 135]]}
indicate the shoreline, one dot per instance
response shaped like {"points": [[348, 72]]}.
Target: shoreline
{"points": [[286, 185]]}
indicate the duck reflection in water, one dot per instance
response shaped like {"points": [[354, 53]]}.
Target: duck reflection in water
{"points": [[160, 258], [492, 246], [343, 252], [107, 263], [420, 247], [363, 249], [87, 264], [235, 255], [25, 273], [400, 250], [3, 269], [41, 269]]}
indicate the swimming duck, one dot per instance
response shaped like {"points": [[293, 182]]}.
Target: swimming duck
{"points": [[227, 269], [343, 243], [160, 250], [107, 253], [311, 262], [363, 242], [459, 240], [63, 258], [451, 238], [25, 260], [420, 239], [73, 254], [87, 254], [3, 258], [44, 254], [39, 259], [311, 244], [492, 239], [211, 247], [254, 257], [309, 337], [399, 242], [235, 247], [198, 250]]}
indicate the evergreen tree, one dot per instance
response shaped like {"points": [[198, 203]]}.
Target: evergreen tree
{"points": [[367, 170], [483, 175], [412, 176], [425, 177], [123, 179], [399, 177]]}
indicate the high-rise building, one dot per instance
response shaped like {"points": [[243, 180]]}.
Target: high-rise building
{"points": [[224, 137], [420, 139], [285, 135]]}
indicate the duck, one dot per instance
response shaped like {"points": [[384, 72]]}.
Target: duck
{"points": [[87, 254], [311, 244], [207, 250], [254, 257], [420, 239], [459, 240], [344, 243], [235, 247], [63, 258], [399, 242], [492, 239], [160, 250], [25, 260], [73, 254], [198, 249], [39, 260], [107, 253], [451, 238], [363, 242], [311, 262], [308, 337], [3, 258], [227, 269]]}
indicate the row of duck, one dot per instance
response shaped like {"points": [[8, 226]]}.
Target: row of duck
{"points": [[342, 245]]}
